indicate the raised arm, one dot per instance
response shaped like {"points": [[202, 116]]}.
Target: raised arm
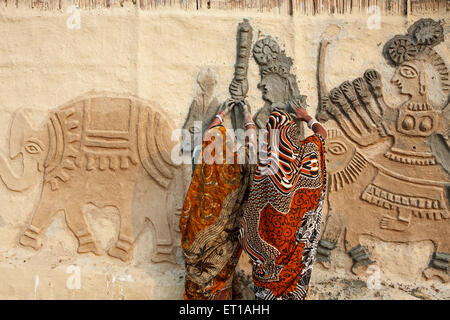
{"points": [[313, 124]]}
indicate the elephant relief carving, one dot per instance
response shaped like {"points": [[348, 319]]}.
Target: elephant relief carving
{"points": [[385, 178], [90, 152]]}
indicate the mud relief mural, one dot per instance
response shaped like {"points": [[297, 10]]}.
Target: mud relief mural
{"points": [[278, 84], [91, 151], [387, 171], [202, 110]]}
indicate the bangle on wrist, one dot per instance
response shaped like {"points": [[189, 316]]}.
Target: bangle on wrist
{"points": [[307, 118], [219, 117], [312, 122]]}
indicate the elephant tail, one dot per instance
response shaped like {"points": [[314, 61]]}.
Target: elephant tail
{"points": [[155, 146]]}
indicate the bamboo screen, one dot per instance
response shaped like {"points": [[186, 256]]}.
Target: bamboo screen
{"points": [[305, 7]]}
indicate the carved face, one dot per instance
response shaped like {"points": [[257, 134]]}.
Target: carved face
{"points": [[344, 162], [206, 79], [339, 153], [273, 88], [409, 78]]}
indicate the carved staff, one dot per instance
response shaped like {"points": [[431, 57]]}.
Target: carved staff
{"points": [[239, 85], [322, 88]]}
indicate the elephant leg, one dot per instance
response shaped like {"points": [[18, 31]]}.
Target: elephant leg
{"points": [[330, 237], [439, 264], [358, 253], [40, 221], [163, 237], [76, 220], [125, 243]]}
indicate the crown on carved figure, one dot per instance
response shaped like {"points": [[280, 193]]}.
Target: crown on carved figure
{"points": [[270, 58], [423, 34], [418, 44]]}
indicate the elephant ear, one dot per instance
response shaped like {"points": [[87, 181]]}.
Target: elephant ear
{"points": [[155, 145]]}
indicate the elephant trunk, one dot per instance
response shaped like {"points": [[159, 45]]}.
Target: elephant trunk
{"points": [[20, 181]]}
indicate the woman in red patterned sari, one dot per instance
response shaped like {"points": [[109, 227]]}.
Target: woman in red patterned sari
{"points": [[281, 218]]}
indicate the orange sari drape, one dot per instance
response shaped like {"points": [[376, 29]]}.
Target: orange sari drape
{"points": [[210, 220]]}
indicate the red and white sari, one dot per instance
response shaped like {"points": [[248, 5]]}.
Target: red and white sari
{"points": [[282, 215]]}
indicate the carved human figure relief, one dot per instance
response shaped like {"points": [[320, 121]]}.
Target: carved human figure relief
{"points": [[401, 190], [202, 110], [278, 85], [90, 151]]}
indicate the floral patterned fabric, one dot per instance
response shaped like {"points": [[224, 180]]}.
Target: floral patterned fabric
{"points": [[210, 219], [282, 215]]}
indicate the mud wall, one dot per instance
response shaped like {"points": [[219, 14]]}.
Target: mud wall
{"points": [[83, 213]]}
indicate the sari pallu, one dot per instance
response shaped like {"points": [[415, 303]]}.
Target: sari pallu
{"points": [[210, 220], [281, 218]]}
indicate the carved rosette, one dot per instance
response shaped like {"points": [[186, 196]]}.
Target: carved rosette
{"points": [[270, 58], [427, 32], [401, 49], [422, 35], [265, 51]]}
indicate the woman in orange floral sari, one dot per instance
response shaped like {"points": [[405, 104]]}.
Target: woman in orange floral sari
{"points": [[211, 213]]}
